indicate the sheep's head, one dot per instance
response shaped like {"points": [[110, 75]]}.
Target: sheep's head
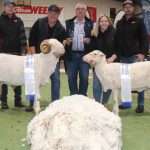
{"points": [[51, 45], [94, 57]]}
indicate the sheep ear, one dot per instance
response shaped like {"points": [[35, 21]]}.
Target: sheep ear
{"points": [[45, 47]]}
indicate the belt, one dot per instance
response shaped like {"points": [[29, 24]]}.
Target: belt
{"points": [[78, 51]]}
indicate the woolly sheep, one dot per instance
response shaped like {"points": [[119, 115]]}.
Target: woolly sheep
{"points": [[109, 75], [12, 67], [75, 123]]}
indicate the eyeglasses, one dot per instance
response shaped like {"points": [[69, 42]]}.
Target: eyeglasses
{"points": [[82, 9]]}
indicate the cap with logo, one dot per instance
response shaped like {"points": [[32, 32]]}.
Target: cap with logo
{"points": [[128, 2], [7, 2], [54, 8]]}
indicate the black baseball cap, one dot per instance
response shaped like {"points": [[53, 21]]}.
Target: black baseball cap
{"points": [[54, 8], [128, 2]]}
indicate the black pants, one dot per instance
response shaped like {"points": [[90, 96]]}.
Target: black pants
{"points": [[17, 91]]}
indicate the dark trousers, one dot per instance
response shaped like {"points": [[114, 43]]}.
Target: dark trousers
{"points": [[17, 91]]}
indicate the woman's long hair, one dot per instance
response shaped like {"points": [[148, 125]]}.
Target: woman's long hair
{"points": [[97, 28]]}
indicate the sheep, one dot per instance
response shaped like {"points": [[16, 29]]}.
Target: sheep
{"points": [[109, 75], [75, 123], [12, 67]]}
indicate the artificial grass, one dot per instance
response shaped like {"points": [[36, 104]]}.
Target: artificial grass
{"points": [[14, 121]]}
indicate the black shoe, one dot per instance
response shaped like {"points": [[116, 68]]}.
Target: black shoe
{"points": [[29, 108], [121, 107], [19, 104], [139, 109], [4, 105]]}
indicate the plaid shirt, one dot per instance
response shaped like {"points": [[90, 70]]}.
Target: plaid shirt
{"points": [[22, 35]]}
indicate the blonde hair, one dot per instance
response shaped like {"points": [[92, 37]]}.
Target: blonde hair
{"points": [[97, 28]]}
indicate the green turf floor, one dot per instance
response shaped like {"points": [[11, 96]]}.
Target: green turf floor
{"points": [[14, 121]]}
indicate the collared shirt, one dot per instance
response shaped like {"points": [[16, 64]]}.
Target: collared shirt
{"points": [[78, 44]]}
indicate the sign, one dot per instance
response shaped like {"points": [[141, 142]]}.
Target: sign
{"points": [[31, 13], [92, 13]]}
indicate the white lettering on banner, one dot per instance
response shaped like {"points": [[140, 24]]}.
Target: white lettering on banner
{"points": [[30, 14]]}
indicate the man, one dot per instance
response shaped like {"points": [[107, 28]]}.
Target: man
{"points": [[78, 44], [132, 42], [46, 28], [12, 41]]}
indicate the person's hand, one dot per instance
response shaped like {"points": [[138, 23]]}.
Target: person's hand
{"points": [[141, 57], [111, 59], [92, 63], [86, 40], [68, 41], [58, 54]]}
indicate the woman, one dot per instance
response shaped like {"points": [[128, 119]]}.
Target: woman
{"points": [[103, 39]]}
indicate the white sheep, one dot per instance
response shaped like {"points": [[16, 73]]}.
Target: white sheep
{"points": [[12, 67], [110, 76], [75, 123]]}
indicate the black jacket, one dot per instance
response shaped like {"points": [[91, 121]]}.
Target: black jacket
{"points": [[131, 37], [105, 42], [41, 31], [12, 35], [88, 26]]}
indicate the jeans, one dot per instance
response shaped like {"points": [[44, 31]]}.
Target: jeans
{"points": [[74, 66], [17, 91], [133, 59], [55, 84], [97, 90]]}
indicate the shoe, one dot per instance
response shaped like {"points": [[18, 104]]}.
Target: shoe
{"points": [[29, 108], [4, 105], [19, 104], [121, 107], [139, 109]]}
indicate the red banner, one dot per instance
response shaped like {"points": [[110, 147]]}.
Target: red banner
{"points": [[92, 13]]}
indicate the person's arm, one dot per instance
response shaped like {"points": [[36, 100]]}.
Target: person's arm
{"points": [[23, 38], [33, 37], [143, 41]]}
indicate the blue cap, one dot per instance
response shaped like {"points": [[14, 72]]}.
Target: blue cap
{"points": [[7, 2]]}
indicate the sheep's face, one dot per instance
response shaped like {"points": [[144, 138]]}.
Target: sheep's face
{"points": [[94, 57], [51, 45]]}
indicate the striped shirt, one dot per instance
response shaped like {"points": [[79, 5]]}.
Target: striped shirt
{"points": [[77, 41]]}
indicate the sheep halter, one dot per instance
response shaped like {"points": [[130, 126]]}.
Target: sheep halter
{"points": [[45, 47]]}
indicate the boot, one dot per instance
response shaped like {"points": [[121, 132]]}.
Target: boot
{"points": [[19, 104], [4, 105], [29, 108], [139, 109]]}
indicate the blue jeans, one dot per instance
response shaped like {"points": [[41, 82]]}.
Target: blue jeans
{"points": [[130, 60], [74, 66], [55, 84], [97, 90]]}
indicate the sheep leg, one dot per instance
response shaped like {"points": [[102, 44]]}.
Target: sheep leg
{"points": [[115, 106], [36, 106]]}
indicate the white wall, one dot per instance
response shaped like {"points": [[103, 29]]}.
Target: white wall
{"points": [[69, 7]]}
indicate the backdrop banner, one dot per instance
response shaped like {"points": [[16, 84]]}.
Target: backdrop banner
{"points": [[146, 12]]}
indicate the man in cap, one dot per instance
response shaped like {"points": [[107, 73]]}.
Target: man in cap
{"points": [[46, 28], [12, 41], [132, 42]]}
